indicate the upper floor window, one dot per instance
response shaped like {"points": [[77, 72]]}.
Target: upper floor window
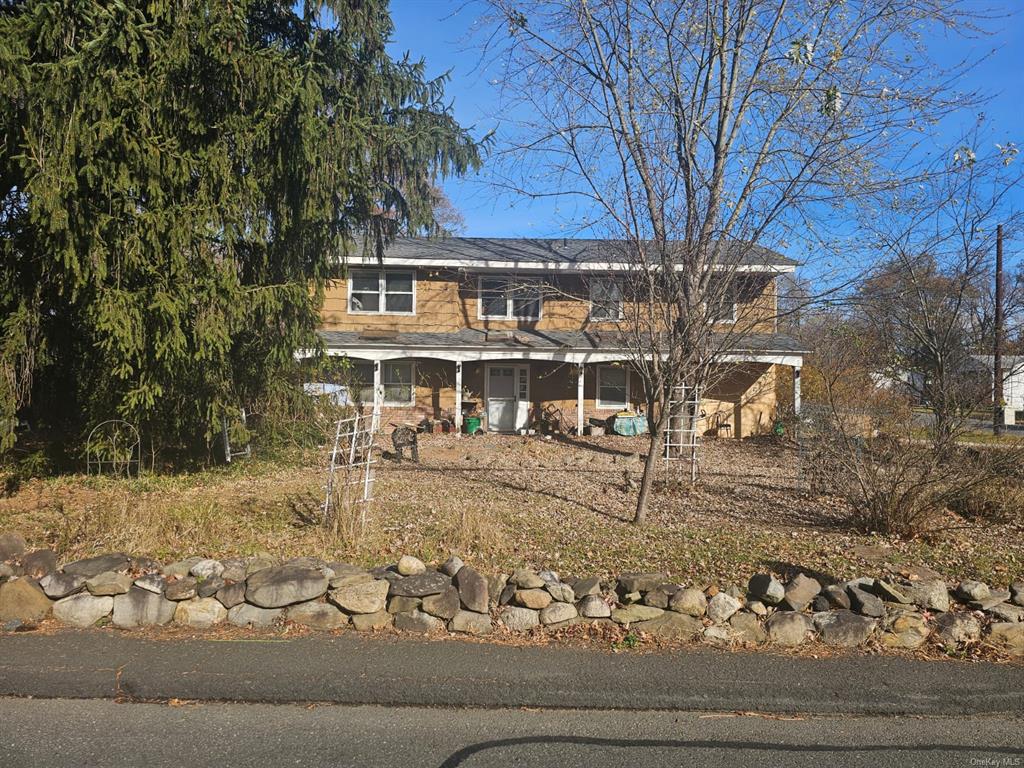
{"points": [[382, 292], [505, 298], [722, 302], [606, 300]]}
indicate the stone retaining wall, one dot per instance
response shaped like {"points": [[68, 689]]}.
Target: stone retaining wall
{"points": [[129, 592]]}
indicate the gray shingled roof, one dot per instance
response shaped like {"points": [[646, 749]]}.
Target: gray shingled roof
{"points": [[529, 339], [560, 251]]}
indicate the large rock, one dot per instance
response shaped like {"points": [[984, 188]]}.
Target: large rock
{"points": [[109, 583], [690, 601], [245, 615], [207, 569], [369, 622], [589, 586], [1007, 612], [671, 626], [201, 613], [210, 587], [418, 621], [367, 597], [536, 599], [141, 608], [995, 597], [889, 592], [593, 607], [473, 589], [766, 588], [558, 612], [907, 630], [231, 595], [317, 615], [954, 628], [152, 582], [82, 610], [969, 590], [471, 623], [12, 545], [180, 568], [747, 629], [181, 589], [22, 600], [632, 614], [527, 579], [404, 604], [442, 606], [641, 582], [519, 619], [865, 603], [346, 575], [94, 566], [452, 566], [836, 596], [931, 595], [38, 564], [430, 583], [285, 585], [410, 566], [1008, 636], [789, 629], [800, 591], [59, 585], [722, 606], [562, 593], [843, 628], [496, 584]]}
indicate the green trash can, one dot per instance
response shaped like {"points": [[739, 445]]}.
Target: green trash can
{"points": [[471, 424]]}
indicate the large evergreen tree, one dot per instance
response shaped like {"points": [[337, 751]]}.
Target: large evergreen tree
{"points": [[179, 179]]}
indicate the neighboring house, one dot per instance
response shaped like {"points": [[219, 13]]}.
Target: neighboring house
{"points": [[526, 331], [1013, 383]]}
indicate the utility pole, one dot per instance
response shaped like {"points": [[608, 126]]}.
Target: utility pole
{"points": [[997, 352]]}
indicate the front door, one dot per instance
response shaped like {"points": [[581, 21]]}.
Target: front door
{"points": [[508, 397]]}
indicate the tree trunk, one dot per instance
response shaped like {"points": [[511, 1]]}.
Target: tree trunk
{"points": [[650, 465]]}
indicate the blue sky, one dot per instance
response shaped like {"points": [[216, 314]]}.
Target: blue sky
{"points": [[440, 32]]}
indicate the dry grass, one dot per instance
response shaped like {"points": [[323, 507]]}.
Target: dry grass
{"points": [[504, 501]]}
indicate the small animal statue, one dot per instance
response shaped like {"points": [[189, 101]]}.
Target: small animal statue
{"points": [[402, 438]]}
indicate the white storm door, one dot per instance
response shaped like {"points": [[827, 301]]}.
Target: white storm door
{"points": [[508, 397]]}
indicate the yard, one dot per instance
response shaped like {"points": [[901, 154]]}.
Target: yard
{"points": [[501, 501]]}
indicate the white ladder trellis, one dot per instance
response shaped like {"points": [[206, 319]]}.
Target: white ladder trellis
{"points": [[682, 439], [352, 455]]}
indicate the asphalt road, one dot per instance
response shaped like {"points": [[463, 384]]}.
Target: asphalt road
{"points": [[50, 733]]}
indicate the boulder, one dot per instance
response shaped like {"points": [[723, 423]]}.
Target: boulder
{"points": [[209, 587], [152, 582], [346, 575], [21, 600], [527, 579], [507, 594], [657, 598], [471, 623], [59, 585], [234, 570], [259, 562], [533, 598], [411, 566], [442, 606], [368, 622], [716, 635], [746, 628], [691, 601], [931, 595], [549, 577], [766, 588], [1008, 636], [38, 564], [141, 608], [865, 603], [180, 568], [722, 606], [496, 584], [671, 626], [141, 564], [452, 566], [589, 586], [94, 566], [519, 619], [418, 621], [907, 630], [207, 569], [12, 545], [641, 582], [890, 593], [632, 614], [201, 613], [1007, 612], [972, 590], [181, 589], [995, 597], [558, 612], [246, 615], [316, 615], [800, 591], [109, 583], [789, 629], [367, 597], [430, 583], [836, 596], [285, 585], [473, 590], [955, 628], [231, 595], [757, 608], [593, 607], [404, 604], [82, 610], [843, 628], [561, 593]]}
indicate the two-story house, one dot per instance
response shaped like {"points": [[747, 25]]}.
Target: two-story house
{"points": [[524, 330]]}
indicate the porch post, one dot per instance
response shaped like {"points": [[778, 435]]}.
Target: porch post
{"points": [[458, 398], [579, 400], [796, 390], [378, 396]]}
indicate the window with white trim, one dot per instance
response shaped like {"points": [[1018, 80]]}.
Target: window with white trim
{"points": [[505, 298], [612, 387], [397, 379], [605, 299], [381, 292], [723, 303]]}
